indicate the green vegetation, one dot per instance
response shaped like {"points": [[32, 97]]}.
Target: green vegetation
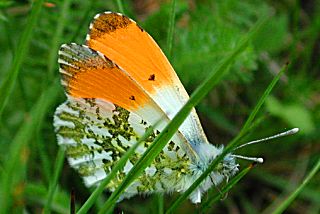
{"points": [[229, 53]]}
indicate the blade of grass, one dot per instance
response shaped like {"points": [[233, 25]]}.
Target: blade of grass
{"points": [[294, 179], [246, 204], [211, 199], [118, 166], [286, 203], [120, 6], [51, 66], [23, 44], [160, 199], [235, 141], [36, 193], [262, 100], [171, 28], [53, 184], [56, 39], [44, 157], [5, 4], [279, 183], [160, 203], [8, 31], [81, 23], [161, 140], [23, 136]]}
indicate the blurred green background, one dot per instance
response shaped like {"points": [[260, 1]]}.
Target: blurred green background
{"points": [[204, 33]]}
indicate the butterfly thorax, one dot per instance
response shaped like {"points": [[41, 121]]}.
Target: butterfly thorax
{"points": [[223, 171]]}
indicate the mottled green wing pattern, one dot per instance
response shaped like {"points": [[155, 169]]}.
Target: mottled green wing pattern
{"points": [[96, 133]]}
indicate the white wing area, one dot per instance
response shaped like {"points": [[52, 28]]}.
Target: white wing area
{"points": [[171, 100], [96, 133]]}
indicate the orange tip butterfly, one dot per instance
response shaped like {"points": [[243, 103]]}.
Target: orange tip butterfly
{"points": [[118, 85]]}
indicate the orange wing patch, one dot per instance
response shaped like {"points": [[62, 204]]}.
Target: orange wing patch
{"points": [[124, 42], [88, 74]]}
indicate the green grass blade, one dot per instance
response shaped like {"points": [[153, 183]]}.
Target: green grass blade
{"points": [[36, 194], [120, 6], [56, 39], [161, 140], [44, 157], [54, 182], [82, 22], [286, 203], [262, 100], [212, 199], [51, 66], [11, 77], [160, 203], [4, 4], [281, 183], [21, 139], [97, 192], [234, 142], [171, 28]]}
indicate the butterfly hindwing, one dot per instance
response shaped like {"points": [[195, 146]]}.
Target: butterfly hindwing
{"points": [[96, 133]]}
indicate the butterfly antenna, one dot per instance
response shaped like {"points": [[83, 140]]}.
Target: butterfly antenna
{"points": [[282, 134], [254, 159]]}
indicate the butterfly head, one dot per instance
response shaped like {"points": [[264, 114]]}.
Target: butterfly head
{"points": [[227, 167], [223, 171], [208, 152]]}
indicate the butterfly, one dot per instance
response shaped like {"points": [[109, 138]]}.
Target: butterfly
{"points": [[118, 85]]}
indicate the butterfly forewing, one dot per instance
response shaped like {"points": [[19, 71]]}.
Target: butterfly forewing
{"points": [[133, 49], [101, 120]]}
